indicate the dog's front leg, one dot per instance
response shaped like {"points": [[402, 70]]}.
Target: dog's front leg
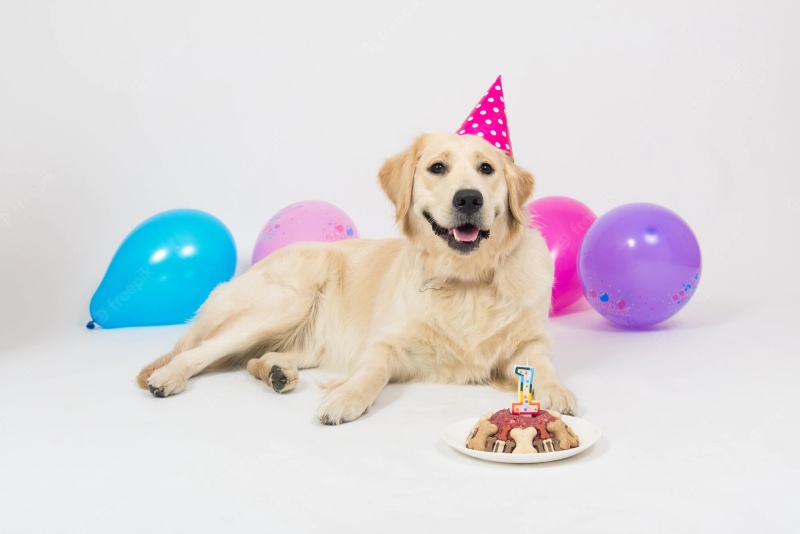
{"points": [[349, 399], [547, 388]]}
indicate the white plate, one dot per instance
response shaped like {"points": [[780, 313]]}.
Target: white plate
{"points": [[456, 434]]}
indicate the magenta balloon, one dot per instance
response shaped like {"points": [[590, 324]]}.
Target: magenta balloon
{"points": [[312, 220], [639, 264], [563, 222]]}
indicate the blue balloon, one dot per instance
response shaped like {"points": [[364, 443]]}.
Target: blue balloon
{"points": [[164, 270]]}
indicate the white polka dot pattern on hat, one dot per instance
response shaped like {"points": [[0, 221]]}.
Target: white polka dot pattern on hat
{"points": [[493, 126]]}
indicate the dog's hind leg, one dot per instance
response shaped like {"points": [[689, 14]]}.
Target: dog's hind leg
{"points": [[236, 338], [187, 341], [229, 334], [279, 370], [271, 307]]}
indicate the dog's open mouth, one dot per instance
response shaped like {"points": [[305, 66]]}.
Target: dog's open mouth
{"points": [[464, 239]]}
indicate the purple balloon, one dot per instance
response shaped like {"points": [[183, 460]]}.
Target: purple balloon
{"points": [[639, 264]]}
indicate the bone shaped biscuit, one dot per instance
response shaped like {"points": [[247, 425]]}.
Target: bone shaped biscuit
{"points": [[484, 417], [484, 430], [541, 427], [503, 434], [524, 438], [566, 439]]}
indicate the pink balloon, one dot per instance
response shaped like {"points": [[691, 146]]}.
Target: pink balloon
{"points": [[312, 220], [563, 222]]}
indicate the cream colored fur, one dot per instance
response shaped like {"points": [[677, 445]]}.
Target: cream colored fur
{"points": [[409, 309]]}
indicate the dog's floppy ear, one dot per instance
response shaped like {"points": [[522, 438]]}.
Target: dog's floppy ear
{"points": [[397, 180], [520, 188]]}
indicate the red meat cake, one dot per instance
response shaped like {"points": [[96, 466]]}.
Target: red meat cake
{"points": [[505, 432]]}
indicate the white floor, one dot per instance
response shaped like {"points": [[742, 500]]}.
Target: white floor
{"points": [[699, 436]]}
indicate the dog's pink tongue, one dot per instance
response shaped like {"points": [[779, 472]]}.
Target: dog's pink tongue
{"points": [[467, 233]]}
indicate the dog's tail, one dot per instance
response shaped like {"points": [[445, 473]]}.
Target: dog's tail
{"points": [[188, 341]]}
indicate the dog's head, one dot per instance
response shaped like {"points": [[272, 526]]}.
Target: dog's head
{"points": [[454, 192]]}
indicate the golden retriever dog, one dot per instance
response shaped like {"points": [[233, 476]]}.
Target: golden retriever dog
{"points": [[461, 299]]}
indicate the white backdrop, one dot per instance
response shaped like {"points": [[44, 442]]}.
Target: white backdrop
{"points": [[111, 112]]}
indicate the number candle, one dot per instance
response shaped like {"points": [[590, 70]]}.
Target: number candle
{"points": [[526, 404]]}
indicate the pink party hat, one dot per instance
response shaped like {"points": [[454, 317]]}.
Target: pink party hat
{"points": [[488, 119]]}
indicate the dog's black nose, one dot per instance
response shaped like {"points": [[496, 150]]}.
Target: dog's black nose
{"points": [[468, 200]]}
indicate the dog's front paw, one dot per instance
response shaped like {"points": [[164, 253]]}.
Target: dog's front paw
{"points": [[281, 376], [165, 382], [342, 406], [554, 396]]}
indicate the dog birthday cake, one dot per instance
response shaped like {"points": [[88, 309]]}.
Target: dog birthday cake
{"points": [[507, 432], [524, 428]]}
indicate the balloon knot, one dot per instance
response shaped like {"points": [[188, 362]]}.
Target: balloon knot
{"points": [[90, 325]]}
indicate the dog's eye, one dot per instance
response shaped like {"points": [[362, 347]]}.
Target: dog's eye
{"points": [[485, 168], [437, 168]]}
